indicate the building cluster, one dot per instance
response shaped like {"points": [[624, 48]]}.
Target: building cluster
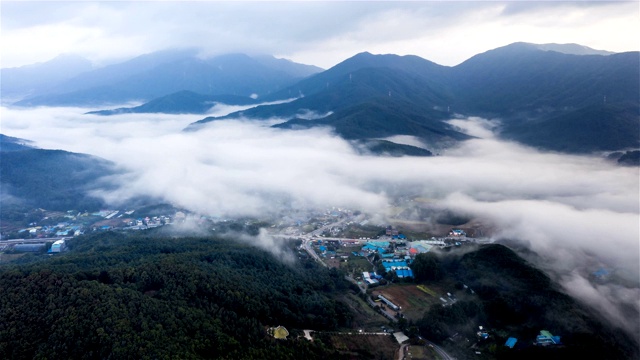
{"points": [[371, 278], [148, 222], [60, 229], [545, 338]]}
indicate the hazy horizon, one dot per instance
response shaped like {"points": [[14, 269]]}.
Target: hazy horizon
{"points": [[314, 33]]}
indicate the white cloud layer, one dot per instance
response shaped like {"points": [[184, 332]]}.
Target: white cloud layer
{"points": [[318, 33], [564, 207]]}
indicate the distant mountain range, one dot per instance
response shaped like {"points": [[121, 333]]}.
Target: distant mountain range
{"points": [[18, 83], [561, 97], [159, 74]]}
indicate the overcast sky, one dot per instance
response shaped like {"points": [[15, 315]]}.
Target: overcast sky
{"points": [[318, 33]]}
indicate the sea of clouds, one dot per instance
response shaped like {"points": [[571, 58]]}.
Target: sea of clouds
{"points": [[566, 208]]}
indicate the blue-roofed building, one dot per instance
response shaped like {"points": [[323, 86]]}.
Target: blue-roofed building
{"points": [[323, 248], [369, 247], [57, 246], [382, 244], [404, 273], [391, 264], [374, 248], [511, 342]]}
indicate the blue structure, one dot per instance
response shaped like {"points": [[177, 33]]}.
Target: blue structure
{"points": [[323, 248], [57, 246], [374, 248], [511, 342], [382, 244], [403, 273], [389, 264]]}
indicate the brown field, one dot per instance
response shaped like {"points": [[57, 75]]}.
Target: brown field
{"points": [[366, 346], [332, 263], [414, 302]]}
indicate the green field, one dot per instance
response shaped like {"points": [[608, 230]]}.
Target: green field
{"points": [[356, 265], [364, 316], [427, 290]]}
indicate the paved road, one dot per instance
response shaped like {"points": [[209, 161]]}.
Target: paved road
{"points": [[30, 241], [443, 354], [306, 244], [402, 352]]}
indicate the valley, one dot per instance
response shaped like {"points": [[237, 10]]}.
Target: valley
{"points": [[319, 180]]}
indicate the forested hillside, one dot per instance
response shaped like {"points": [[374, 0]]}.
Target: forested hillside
{"points": [[52, 179], [146, 297], [512, 298]]}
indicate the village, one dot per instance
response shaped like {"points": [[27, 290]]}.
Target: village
{"points": [[376, 258], [381, 267]]}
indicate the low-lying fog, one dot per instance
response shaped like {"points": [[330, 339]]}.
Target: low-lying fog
{"points": [[568, 209]]}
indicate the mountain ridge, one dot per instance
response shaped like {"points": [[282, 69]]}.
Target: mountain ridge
{"points": [[518, 83], [158, 74]]}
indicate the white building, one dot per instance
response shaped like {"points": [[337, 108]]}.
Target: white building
{"points": [[57, 246]]}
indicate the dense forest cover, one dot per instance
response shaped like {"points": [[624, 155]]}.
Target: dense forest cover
{"points": [[116, 295], [512, 298]]}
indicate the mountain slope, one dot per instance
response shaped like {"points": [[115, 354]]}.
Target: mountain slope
{"points": [[574, 49], [8, 143], [545, 96], [367, 103], [520, 78], [51, 179], [182, 102], [601, 127], [351, 69]]}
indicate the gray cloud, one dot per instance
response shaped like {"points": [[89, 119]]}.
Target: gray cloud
{"points": [[320, 33]]}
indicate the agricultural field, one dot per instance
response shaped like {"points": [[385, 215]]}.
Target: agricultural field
{"points": [[413, 300], [358, 231], [364, 316], [356, 266], [364, 346], [333, 263]]}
